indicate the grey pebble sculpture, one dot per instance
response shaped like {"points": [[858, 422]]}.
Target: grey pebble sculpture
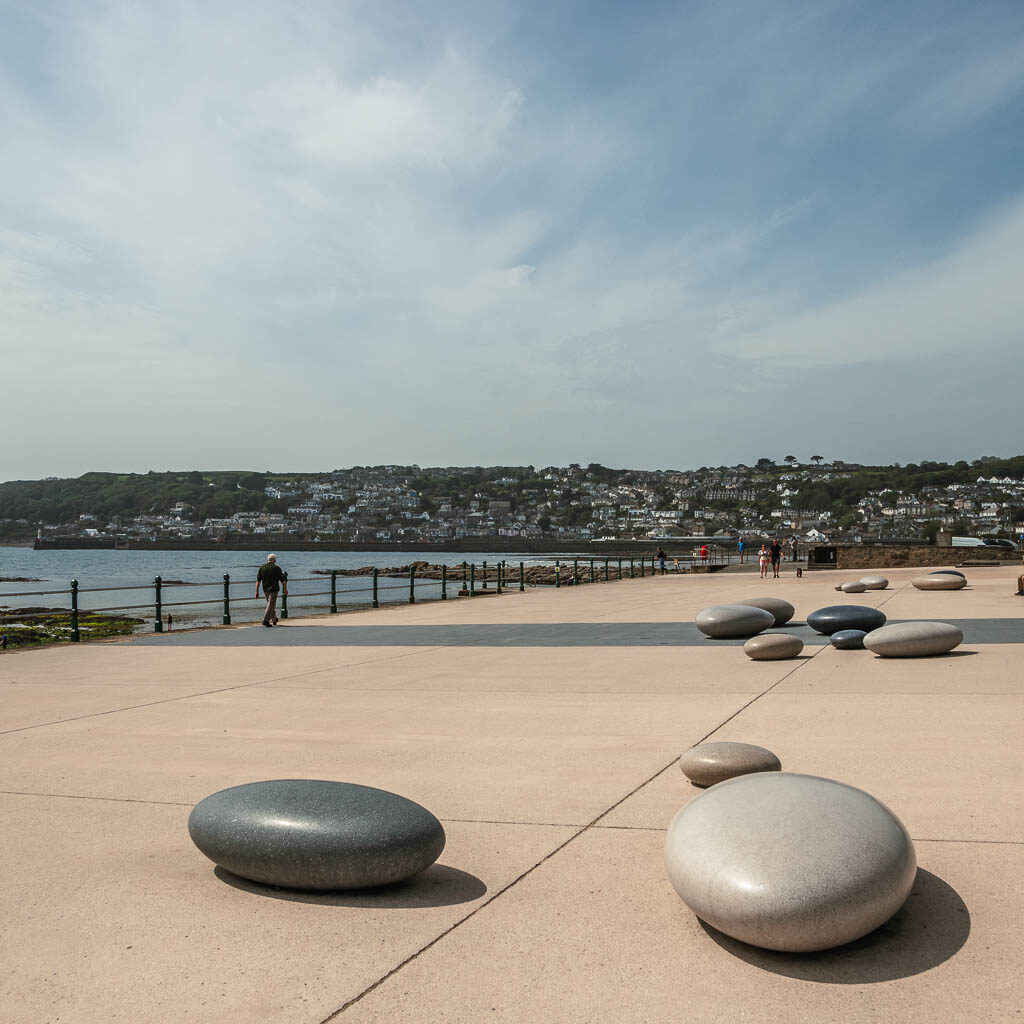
{"points": [[782, 610], [790, 862], [733, 621], [313, 834], [848, 639], [914, 639], [707, 764], [947, 572], [773, 647], [874, 582], [853, 587], [845, 616]]}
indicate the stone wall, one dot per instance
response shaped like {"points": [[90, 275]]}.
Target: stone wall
{"points": [[871, 556]]}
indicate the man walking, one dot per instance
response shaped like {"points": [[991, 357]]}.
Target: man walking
{"points": [[776, 555], [272, 579]]}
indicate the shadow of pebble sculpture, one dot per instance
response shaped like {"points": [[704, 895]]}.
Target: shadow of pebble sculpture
{"points": [[874, 582], [311, 834], [782, 610], [773, 647], [940, 581], [848, 639], [845, 616], [710, 763], [914, 639], [790, 862], [733, 621]]}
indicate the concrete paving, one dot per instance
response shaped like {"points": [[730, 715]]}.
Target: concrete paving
{"points": [[543, 729]]}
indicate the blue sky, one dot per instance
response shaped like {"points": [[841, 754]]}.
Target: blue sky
{"points": [[314, 234]]}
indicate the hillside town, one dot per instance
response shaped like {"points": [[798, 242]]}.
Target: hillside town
{"points": [[818, 501]]}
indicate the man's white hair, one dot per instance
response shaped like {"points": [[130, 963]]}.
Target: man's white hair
{"points": [[271, 557]]}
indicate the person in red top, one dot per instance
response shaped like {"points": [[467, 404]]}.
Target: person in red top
{"points": [[703, 552]]}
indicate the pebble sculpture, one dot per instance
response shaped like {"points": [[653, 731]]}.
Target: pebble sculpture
{"points": [[845, 616], [312, 834], [710, 763], [874, 582], [914, 639], [940, 581], [853, 587], [732, 621], [947, 572], [790, 862], [848, 639], [773, 647], [782, 610]]}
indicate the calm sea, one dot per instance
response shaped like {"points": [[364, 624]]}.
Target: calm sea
{"points": [[106, 579]]}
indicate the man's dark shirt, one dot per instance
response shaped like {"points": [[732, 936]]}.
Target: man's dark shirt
{"points": [[776, 552], [270, 575]]}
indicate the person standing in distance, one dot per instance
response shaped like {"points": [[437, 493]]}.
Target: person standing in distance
{"points": [[776, 552], [272, 579], [661, 561]]}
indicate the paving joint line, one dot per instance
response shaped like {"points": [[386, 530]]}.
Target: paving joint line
{"points": [[208, 693], [552, 853], [106, 799]]}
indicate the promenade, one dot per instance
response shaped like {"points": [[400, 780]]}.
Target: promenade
{"points": [[542, 728]]}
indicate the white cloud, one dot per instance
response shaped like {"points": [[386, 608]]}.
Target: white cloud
{"points": [[410, 220]]}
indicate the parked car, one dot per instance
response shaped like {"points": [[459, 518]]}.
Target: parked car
{"points": [[1000, 542]]}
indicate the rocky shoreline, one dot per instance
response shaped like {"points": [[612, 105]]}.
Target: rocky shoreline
{"points": [[533, 575], [37, 626]]}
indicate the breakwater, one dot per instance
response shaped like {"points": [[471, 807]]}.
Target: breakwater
{"points": [[466, 545]]}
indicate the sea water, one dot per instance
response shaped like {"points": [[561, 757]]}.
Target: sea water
{"points": [[123, 580]]}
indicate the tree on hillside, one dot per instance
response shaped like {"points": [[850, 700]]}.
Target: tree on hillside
{"points": [[790, 459], [816, 459]]}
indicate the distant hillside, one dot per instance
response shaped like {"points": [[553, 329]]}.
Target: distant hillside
{"points": [[568, 496]]}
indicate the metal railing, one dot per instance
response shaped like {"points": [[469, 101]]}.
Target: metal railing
{"points": [[474, 580]]}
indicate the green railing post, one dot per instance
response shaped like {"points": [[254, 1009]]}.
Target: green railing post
{"points": [[472, 579], [620, 568], [522, 578], [412, 584], [575, 571], [227, 600], [591, 570], [444, 582], [376, 603], [498, 585], [334, 590], [75, 635], [284, 595], [558, 574], [485, 576], [643, 565], [606, 576], [158, 621]]}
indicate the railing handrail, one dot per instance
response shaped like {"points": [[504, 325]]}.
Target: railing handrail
{"points": [[474, 581]]}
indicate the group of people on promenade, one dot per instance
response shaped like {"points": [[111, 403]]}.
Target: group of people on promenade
{"points": [[772, 554]]}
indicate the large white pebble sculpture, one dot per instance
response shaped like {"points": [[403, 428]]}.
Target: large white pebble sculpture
{"points": [[790, 862], [940, 581], [914, 639]]}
